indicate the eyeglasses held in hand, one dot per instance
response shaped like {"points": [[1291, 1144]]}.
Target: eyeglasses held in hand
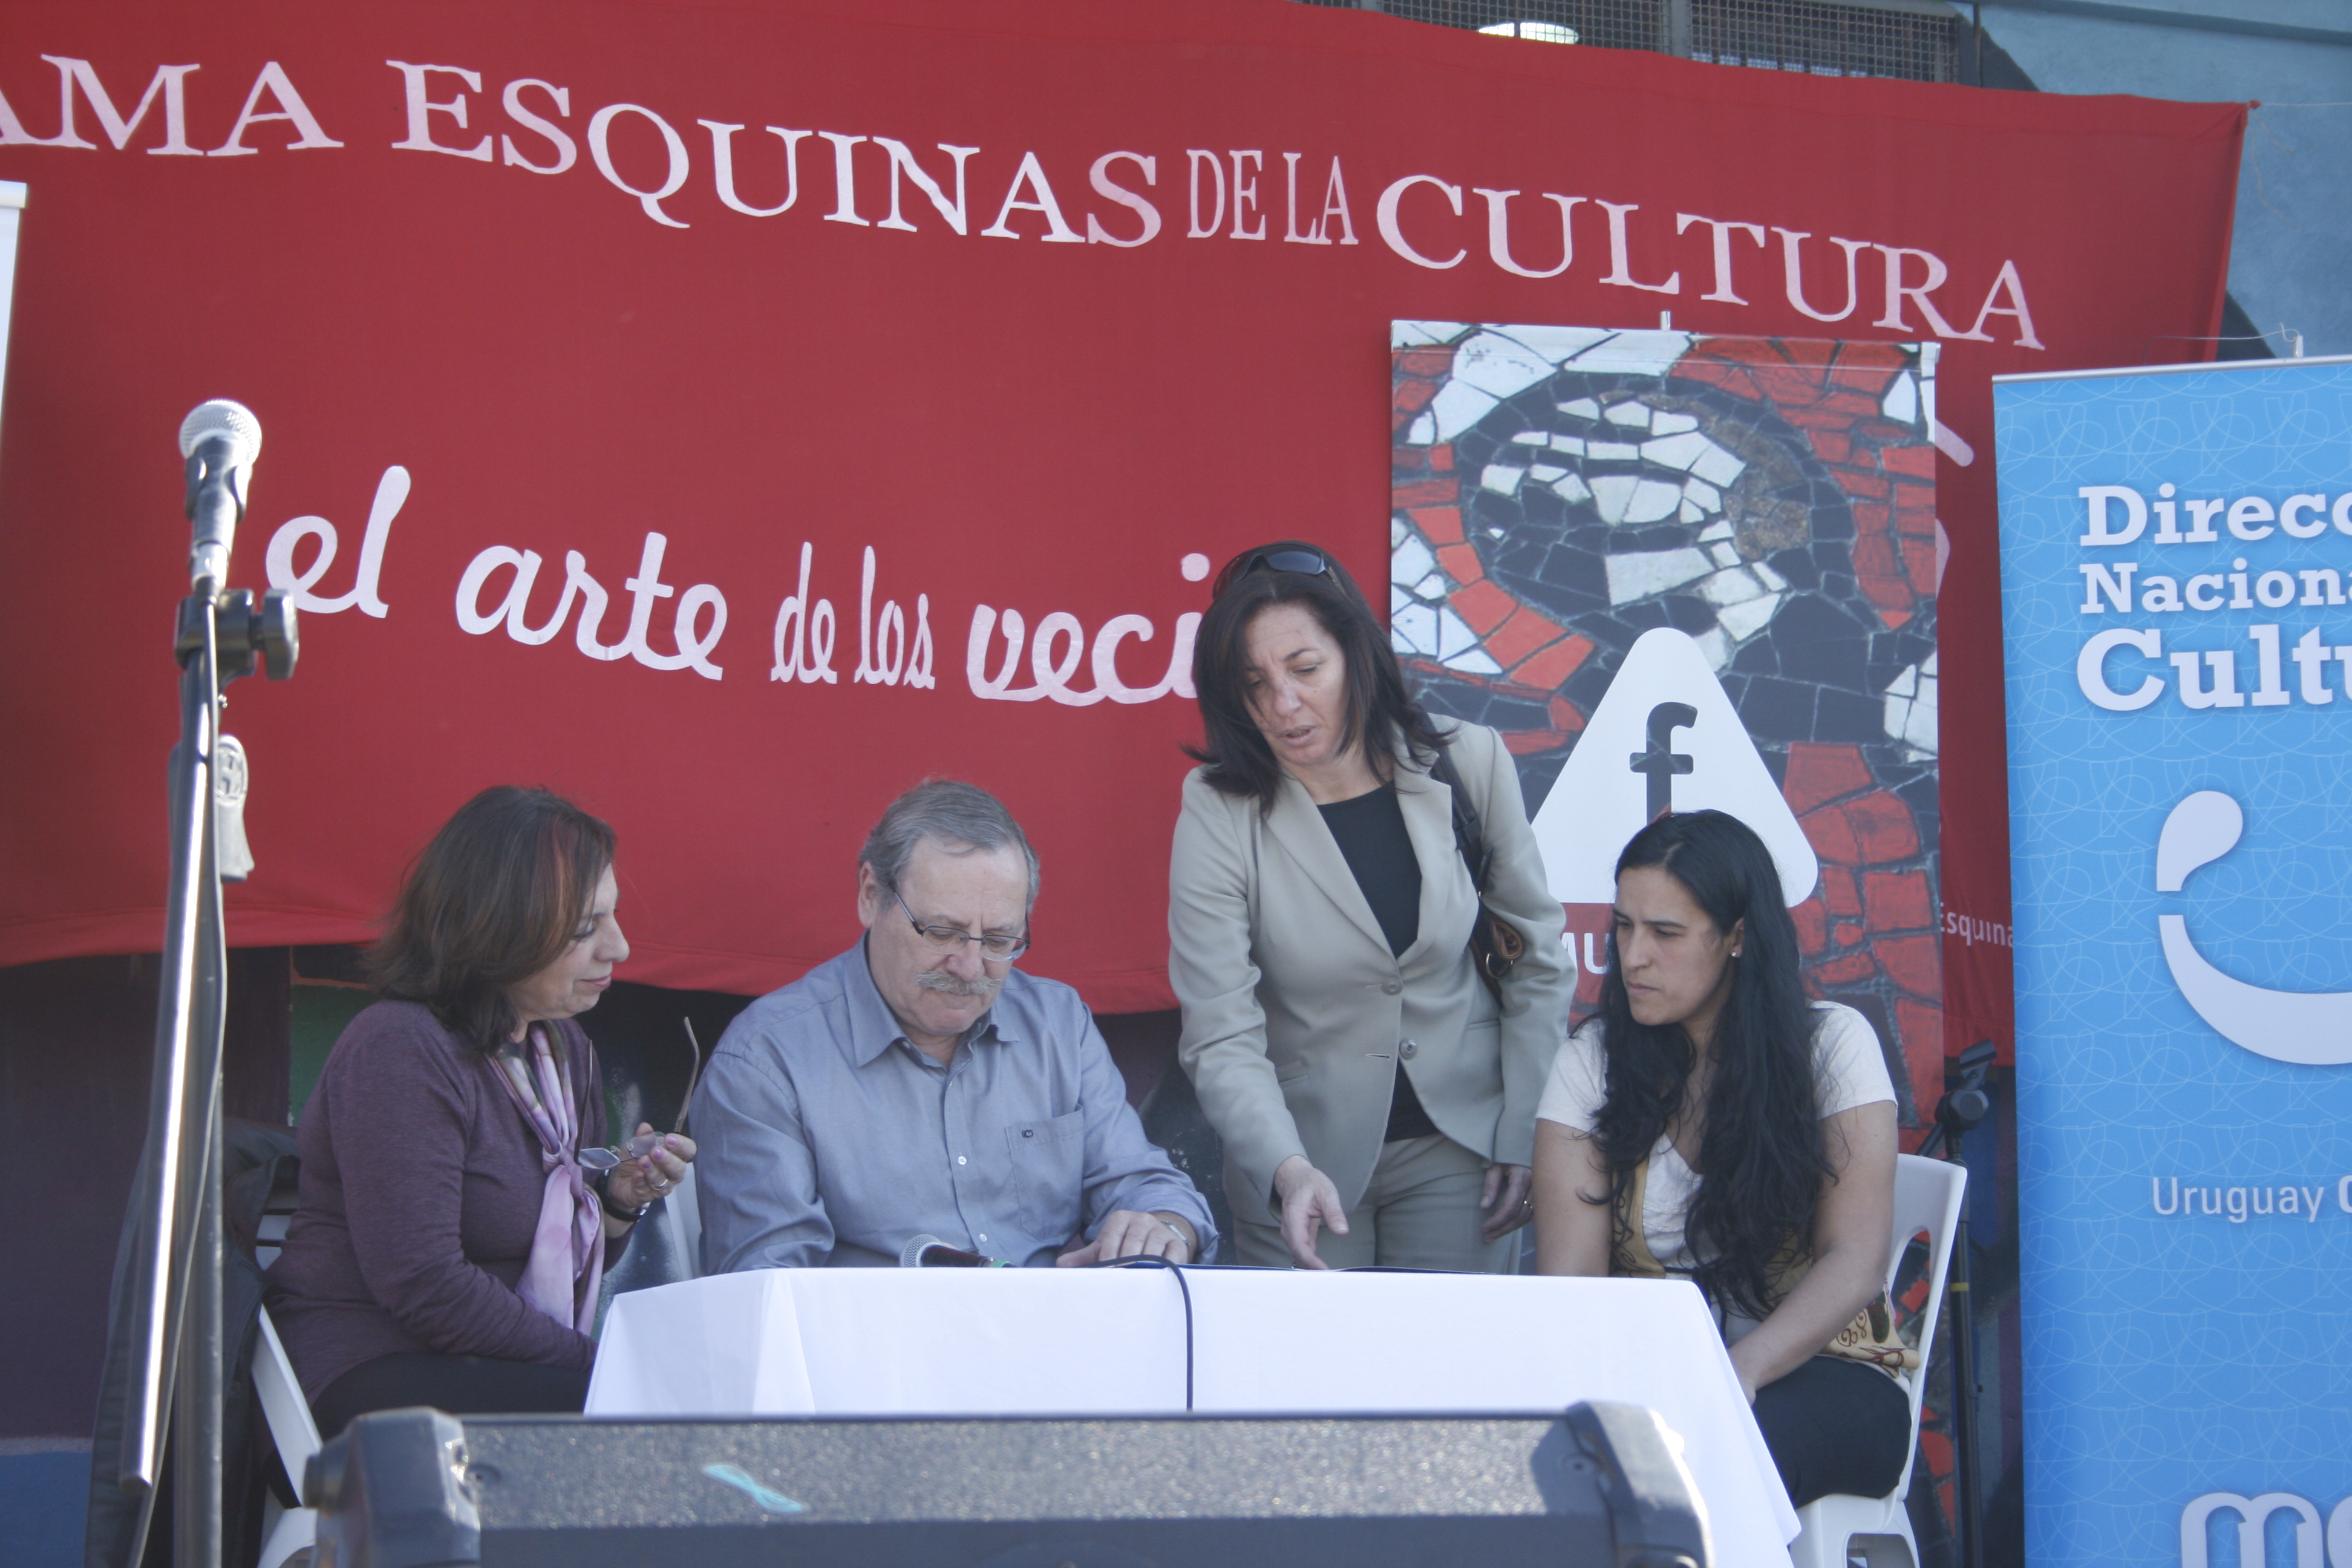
{"points": [[997, 947], [1305, 563]]}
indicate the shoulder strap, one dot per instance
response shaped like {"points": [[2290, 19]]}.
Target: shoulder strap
{"points": [[1469, 833]]}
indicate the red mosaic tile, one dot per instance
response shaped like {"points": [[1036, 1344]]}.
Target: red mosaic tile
{"points": [[1852, 402], [1806, 351], [1462, 564], [1755, 350], [1510, 643], [1831, 834], [1869, 380], [1434, 362], [1917, 522], [1426, 492], [1914, 962], [1528, 742], [1554, 665], [1411, 397], [1882, 825], [1860, 353], [1834, 445], [1919, 559], [1917, 461], [1440, 458], [1789, 386], [1819, 772], [1438, 524], [1862, 482], [1566, 716], [1840, 892], [1875, 558], [1481, 604], [1849, 933], [1729, 377], [1893, 619], [1897, 900], [1921, 1024], [1871, 516], [1813, 927], [1847, 969]]}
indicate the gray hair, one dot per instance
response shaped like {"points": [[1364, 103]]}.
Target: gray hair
{"points": [[959, 816]]}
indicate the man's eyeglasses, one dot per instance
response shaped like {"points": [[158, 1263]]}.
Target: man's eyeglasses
{"points": [[997, 947], [1305, 563]]}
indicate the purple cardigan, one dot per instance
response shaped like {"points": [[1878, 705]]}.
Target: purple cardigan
{"points": [[421, 1188]]}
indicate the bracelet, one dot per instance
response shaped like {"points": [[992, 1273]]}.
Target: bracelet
{"points": [[604, 1199]]}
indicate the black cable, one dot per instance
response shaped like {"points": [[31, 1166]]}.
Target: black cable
{"points": [[1182, 1288]]}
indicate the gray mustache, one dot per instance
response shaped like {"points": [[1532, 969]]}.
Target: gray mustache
{"points": [[940, 980]]}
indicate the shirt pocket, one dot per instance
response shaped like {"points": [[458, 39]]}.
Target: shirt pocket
{"points": [[1048, 1160]]}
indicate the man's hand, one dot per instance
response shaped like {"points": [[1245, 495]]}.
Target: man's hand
{"points": [[1128, 1233]]}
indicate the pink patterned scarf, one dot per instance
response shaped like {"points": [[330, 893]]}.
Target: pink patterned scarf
{"points": [[567, 1251]]}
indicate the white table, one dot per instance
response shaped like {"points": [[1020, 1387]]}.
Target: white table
{"points": [[1110, 1341]]}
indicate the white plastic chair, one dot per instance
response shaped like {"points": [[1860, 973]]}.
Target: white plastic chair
{"points": [[1836, 1529], [293, 1530]]}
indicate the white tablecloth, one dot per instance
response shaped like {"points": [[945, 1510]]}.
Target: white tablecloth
{"points": [[1001, 1341]]}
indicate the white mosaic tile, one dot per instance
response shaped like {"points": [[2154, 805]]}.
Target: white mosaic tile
{"points": [[1691, 514], [1770, 579], [1910, 715], [1422, 431], [1583, 408], [1716, 644], [1677, 451], [1725, 552], [1554, 344], [1634, 353], [1706, 496], [1720, 529], [1612, 452], [1475, 662], [1671, 423], [1901, 402], [1494, 364], [1639, 575], [1733, 586], [1530, 438], [1458, 407], [1718, 467], [1453, 638], [1546, 473], [1432, 587], [1413, 628], [1636, 415], [1568, 445], [1628, 497], [1502, 479], [1424, 334], [1571, 490], [1744, 621], [1398, 532], [1411, 560]]}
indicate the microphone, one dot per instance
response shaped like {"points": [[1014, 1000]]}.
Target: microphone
{"points": [[220, 440], [930, 1252]]}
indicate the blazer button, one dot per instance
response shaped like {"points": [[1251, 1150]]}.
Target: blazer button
{"points": [[1407, 1050], [1392, 986]]}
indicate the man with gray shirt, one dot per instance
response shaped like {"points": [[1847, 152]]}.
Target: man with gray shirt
{"points": [[919, 1084]]}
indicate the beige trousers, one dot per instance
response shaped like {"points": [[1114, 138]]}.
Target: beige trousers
{"points": [[1421, 1211]]}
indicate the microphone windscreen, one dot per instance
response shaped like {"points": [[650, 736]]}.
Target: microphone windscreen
{"points": [[911, 1255], [220, 416]]}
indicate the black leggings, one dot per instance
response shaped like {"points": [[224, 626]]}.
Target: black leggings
{"points": [[460, 1384], [1835, 1427]]}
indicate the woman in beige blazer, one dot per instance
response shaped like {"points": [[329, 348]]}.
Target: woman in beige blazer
{"points": [[1376, 1101]]}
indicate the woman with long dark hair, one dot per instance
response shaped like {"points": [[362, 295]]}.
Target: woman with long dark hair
{"points": [[1376, 1098], [457, 1210], [1713, 1124]]}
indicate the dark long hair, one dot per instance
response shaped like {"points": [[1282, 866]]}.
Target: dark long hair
{"points": [[1380, 711], [492, 900], [1761, 1157]]}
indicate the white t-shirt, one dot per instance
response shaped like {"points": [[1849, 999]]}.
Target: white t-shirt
{"points": [[1848, 1070]]}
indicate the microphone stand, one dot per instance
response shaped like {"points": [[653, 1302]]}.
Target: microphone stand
{"points": [[1962, 1110], [172, 1288]]}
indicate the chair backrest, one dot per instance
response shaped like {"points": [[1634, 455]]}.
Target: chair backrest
{"points": [[1927, 1194], [282, 1404]]}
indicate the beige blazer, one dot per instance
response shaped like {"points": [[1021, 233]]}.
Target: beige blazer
{"points": [[1295, 1014]]}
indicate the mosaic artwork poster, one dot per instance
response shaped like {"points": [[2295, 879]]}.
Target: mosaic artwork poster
{"points": [[1737, 538], [1736, 521]]}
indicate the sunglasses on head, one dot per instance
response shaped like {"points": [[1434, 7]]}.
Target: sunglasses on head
{"points": [[1305, 563]]}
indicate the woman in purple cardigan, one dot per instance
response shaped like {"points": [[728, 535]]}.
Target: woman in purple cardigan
{"points": [[450, 1238]]}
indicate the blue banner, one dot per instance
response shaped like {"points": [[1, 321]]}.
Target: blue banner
{"points": [[2176, 554]]}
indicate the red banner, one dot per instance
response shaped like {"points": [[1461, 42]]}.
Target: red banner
{"points": [[730, 414]]}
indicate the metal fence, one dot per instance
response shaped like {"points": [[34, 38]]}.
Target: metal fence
{"points": [[1913, 40]]}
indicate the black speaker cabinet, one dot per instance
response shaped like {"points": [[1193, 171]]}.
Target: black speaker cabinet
{"points": [[1600, 1486]]}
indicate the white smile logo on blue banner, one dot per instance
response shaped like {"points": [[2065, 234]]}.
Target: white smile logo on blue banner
{"points": [[2314, 1028]]}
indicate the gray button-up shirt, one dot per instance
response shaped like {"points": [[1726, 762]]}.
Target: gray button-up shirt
{"points": [[825, 1138]]}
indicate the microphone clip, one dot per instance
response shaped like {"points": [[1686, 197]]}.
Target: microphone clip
{"points": [[245, 632]]}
